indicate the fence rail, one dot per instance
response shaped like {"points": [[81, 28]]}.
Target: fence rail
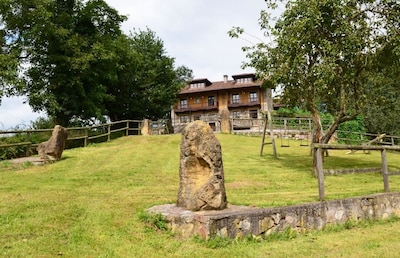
{"points": [[85, 134], [318, 148]]}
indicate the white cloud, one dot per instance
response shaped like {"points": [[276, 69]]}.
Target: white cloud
{"points": [[13, 112], [195, 32]]}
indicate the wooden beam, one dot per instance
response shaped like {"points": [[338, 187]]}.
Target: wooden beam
{"points": [[355, 147], [379, 137], [320, 173], [385, 172]]}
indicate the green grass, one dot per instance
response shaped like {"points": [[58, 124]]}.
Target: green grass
{"points": [[90, 204]]}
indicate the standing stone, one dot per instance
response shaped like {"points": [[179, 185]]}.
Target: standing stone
{"points": [[201, 171], [54, 147], [145, 127]]}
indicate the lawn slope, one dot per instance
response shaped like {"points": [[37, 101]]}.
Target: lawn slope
{"points": [[87, 204]]}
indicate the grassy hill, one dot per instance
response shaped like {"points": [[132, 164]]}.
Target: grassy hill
{"points": [[87, 204]]}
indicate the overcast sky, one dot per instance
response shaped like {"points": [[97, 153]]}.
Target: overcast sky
{"points": [[194, 32]]}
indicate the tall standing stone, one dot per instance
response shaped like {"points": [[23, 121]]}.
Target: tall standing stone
{"points": [[145, 127], [201, 170], [53, 148]]}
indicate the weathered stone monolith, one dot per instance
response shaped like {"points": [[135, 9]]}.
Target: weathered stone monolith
{"points": [[53, 148], [145, 127], [201, 170]]}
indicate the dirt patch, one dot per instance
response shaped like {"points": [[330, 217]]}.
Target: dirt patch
{"points": [[33, 160]]}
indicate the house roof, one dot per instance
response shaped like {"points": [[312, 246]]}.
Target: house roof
{"points": [[221, 85]]}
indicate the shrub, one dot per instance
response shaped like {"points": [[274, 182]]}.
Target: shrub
{"points": [[351, 132]]}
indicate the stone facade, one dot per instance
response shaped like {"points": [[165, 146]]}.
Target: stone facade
{"points": [[238, 221], [201, 173]]}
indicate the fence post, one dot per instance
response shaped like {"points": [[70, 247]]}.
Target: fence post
{"points": [[28, 147], [85, 140], [108, 132], [385, 172], [127, 128], [320, 173]]}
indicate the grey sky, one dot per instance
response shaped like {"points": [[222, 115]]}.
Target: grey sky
{"points": [[194, 32]]}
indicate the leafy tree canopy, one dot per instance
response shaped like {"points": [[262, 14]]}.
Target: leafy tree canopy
{"points": [[71, 59], [149, 82], [322, 51], [382, 114]]}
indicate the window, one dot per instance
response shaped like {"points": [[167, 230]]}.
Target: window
{"points": [[197, 100], [197, 85], [196, 117], [184, 119], [184, 103], [236, 114], [253, 97], [211, 101], [235, 98], [245, 80], [253, 113]]}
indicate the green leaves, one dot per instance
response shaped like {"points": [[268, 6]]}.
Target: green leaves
{"points": [[148, 82], [78, 64], [322, 51]]}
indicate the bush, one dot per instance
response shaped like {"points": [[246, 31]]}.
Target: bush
{"points": [[351, 132]]}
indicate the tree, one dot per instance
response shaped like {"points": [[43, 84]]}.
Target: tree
{"points": [[148, 83], [381, 115], [12, 44], [66, 76], [321, 53], [74, 62], [66, 46]]}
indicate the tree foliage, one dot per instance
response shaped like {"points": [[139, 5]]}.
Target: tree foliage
{"points": [[382, 114], [71, 59], [322, 51], [148, 82]]}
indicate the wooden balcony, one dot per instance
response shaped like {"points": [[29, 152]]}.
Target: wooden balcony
{"points": [[196, 107], [244, 103]]}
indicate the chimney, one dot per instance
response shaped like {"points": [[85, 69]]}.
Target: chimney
{"points": [[225, 78]]}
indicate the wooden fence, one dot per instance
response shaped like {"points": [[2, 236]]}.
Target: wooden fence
{"points": [[318, 148], [85, 134]]}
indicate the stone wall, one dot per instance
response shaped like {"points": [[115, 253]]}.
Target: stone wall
{"points": [[238, 221]]}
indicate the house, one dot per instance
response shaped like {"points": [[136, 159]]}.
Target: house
{"points": [[204, 100]]}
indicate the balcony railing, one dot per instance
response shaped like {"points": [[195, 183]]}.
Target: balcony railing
{"points": [[243, 103], [196, 107]]}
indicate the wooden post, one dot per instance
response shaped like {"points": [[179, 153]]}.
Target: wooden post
{"points": [[109, 132], [271, 134], [127, 128], [28, 146], [320, 173], [385, 172], [268, 120], [263, 137], [85, 140]]}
